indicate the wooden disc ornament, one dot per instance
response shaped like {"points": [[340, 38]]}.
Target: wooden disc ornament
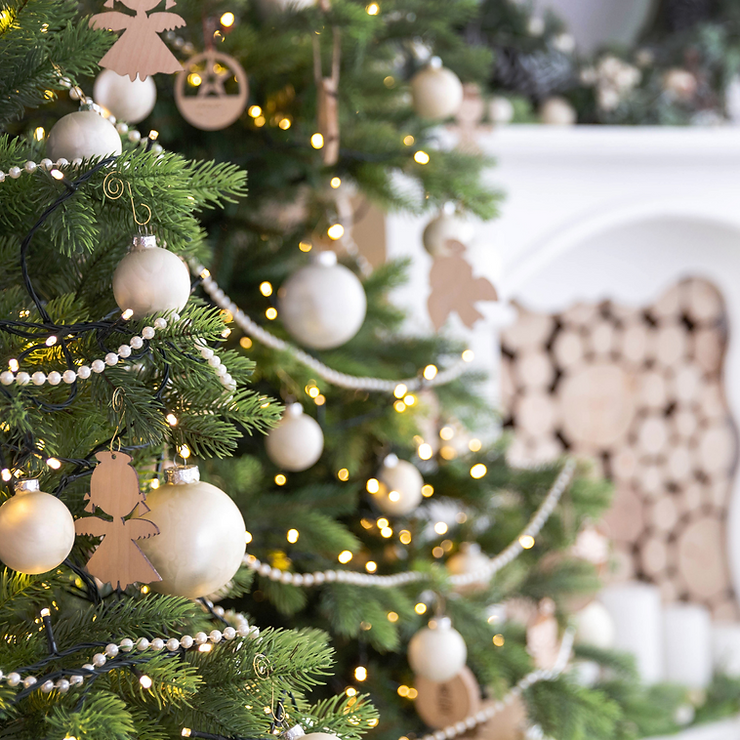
{"points": [[211, 92], [114, 489], [442, 704]]}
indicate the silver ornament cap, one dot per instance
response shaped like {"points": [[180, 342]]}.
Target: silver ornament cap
{"points": [[143, 241], [27, 486], [179, 475], [294, 733]]}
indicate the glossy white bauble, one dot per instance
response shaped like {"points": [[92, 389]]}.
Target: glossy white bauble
{"points": [[82, 134], [297, 442], [323, 304], [150, 280], [595, 626], [268, 7], [501, 110], [37, 531], [437, 652], [400, 489], [442, 228], [436, 91], [127, 100], [557, 112], [201, 540]]}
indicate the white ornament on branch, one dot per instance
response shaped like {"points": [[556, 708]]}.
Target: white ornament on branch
{"points": [[399, 492], [437, 652], [125, 99], [297, 442], [82, 135], [436, 91]]}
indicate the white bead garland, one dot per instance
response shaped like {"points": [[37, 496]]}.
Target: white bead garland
{"points": [[113, 358], [240, 629], [397, 579], [341, 380]]}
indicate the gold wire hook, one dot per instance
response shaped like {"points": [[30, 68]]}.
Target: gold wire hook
{"points": [[114, 188], [117, 404]]}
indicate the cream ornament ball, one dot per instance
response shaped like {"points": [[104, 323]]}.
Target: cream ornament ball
{"points": [[127, 100], [323, 304], [444, 227], [436, 91], [501, 110], [202, 535], [297, 442], [557, 112], [595, 626], [82, 135], [400, 489], [150, 279], [437, 652], [37, 531]]}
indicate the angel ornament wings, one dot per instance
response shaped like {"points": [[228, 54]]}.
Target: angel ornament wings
{"points": [[114, 490], [139, 50]]}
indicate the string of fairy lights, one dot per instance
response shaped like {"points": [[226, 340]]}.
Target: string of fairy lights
{"points": [[524, 541]]}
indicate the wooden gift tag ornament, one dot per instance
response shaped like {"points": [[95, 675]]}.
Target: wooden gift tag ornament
{"points": [[139, 50], [454, 289], [114, 490], [211, 92], [443, 704]]}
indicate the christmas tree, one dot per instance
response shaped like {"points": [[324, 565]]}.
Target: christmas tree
{"points": [[113, 638], [367, 505]]}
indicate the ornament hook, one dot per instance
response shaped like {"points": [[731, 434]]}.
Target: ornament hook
{"points": [[114, 188]]}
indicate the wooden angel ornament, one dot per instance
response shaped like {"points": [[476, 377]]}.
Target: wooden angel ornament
{"points": [[114, 490], [454, 289], [139, 50]]}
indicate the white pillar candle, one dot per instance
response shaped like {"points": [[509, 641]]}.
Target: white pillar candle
{"points": [[726, 648], [636, 611], [687, 645]]}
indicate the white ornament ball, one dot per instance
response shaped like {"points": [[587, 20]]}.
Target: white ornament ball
{"points": [[127, 100], [680, 83], [150, 279], [323, 304], [437, 652], [595, 626], [558, 112], [202, 535], [319, 736], [268, 7], [82, 134], [470, 559], [297, 442], [501, 110], [400, 489], [436, 91], [37, 531], [443, 227]]}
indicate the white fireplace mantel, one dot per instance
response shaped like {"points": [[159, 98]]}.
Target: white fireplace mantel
{"points": [[601, 212]]}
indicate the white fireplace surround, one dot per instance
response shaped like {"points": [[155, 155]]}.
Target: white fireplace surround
{"points": [[597, 212]]}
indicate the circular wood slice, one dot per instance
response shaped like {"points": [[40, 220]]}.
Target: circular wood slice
{"points": [[701, 558], [651, 481], [636, 343], [535, 369], [580, 315], [536, 413], [703, 302], [625, 518], [598, 404], [670, 343], [624, 463], [652, 435], [684, 422], [507, 385], [654, 556], [443, 704], [687, 380], [547, 449], [718, 449], [603, 340], [709, 348], [652, 390], [568, 349], [663, 513], [712, 401], [691, 498], [530, 330], [669, 304]]}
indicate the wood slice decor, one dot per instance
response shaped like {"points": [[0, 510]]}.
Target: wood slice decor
{"points": [[442, 704], [639, 389]]}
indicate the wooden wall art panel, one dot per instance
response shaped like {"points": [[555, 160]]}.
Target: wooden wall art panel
{"points": [[640, 391]]}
